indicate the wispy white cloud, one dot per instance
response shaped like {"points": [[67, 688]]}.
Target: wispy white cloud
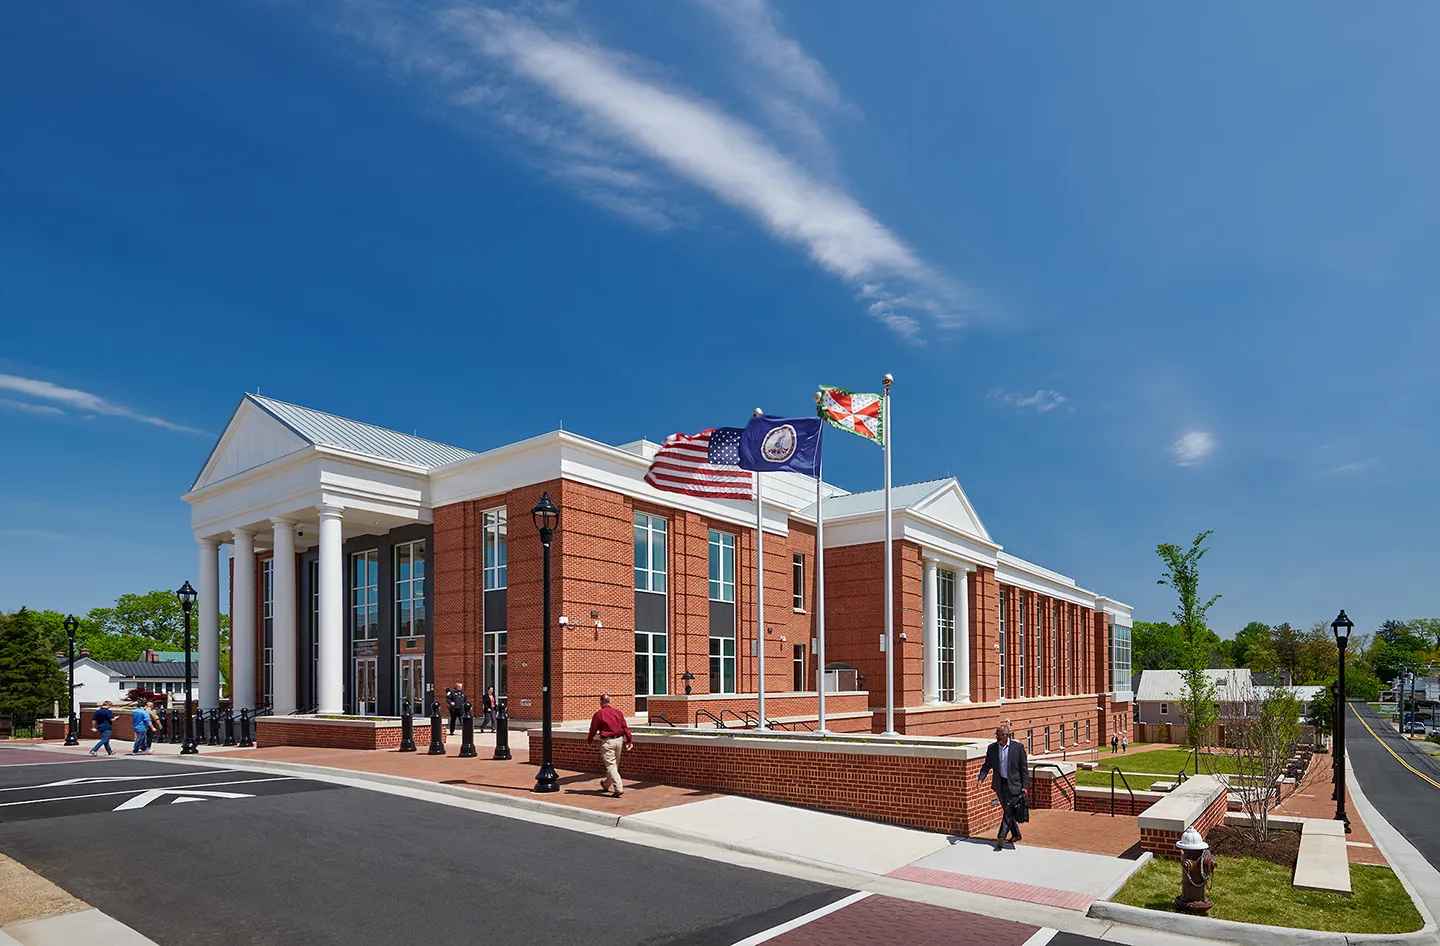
{"points": [[41, 534], [1043, 401], [10, 404], [1192, 448], [1354, 466], [78, 400], [621, 135]]}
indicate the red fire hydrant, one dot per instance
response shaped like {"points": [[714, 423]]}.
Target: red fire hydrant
{"points": [[1196, 866]]}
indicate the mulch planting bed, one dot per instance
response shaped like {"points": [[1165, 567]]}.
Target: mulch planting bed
{"points": [[1282, 848]]}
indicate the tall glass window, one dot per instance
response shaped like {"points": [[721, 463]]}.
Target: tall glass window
{"points": [[267, 624], [365, 596], [493, 545], [1020, 650], [650, 534], [722, 564], [410, 589], [947, 635], [797, 581], [1039, 646], [1004, 605], [1119, 659], [1055, 649], [496, 669], [722, 664]]}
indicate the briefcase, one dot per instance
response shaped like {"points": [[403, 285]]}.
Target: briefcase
{"points": [[1020, 809]]}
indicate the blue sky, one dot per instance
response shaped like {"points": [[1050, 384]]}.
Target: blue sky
{"points": [[1138, 272]]}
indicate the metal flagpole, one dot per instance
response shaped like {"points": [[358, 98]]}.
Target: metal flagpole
{"points": [[820, 599], [889, 639], [760, 592]]}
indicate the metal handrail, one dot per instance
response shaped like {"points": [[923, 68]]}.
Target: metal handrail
{"points": [[1126, 782], [719, 723], [1064, 790], [664, 719], [743, 720]]}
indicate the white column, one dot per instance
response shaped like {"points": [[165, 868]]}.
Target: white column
{"points": [[930, 630], [330, 675], [283, 660], [962, 636], [242, 621], [207, 642]]}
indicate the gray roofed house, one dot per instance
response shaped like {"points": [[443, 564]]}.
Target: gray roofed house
{"points": [[1159, 692]]}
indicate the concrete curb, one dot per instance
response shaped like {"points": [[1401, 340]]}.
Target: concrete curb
{"points": [[739, 847], [1250, 934], [1394, 846], [328, 773], [1114, 888]]}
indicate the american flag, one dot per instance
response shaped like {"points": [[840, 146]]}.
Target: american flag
{"points": [[703, 464]]}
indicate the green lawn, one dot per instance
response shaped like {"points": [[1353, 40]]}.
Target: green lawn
{"points": [[1254, 891], [1152, 767]]}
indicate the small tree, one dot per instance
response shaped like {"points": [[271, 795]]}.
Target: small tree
{"points": [[1260, 747], [1197, 698], [1322, 713], [31, 683]]}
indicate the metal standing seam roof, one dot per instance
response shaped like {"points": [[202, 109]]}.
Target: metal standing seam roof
{"points": [[141, 669], [1231, 685], [328, 430], [901, 497]]}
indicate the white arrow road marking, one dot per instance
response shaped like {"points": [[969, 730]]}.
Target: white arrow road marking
{"points": [[154, 794], [114, 778], [129, 791]]}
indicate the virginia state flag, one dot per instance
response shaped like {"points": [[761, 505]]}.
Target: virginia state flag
{"points": [[781, 443]]}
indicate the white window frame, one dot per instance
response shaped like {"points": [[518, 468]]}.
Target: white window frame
{"points": [[797, 582], [1004, 604], [1164, 709], [267, 631], [493, 543], [722, 587], [945, 625], [413, 593], [1021, 598], [719, 658], [365, 598], [651, 575]]}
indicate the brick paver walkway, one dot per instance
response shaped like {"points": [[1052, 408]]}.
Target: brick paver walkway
{"points": [[887, 921], [1313, 800], [516, 777], [1087, 831], [994, 887]]}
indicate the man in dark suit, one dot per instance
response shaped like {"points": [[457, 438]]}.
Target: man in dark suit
{"points": [[1011, 773]]}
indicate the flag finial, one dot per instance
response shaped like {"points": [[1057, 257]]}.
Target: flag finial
{"points": [[888, 380], [757, 412]]}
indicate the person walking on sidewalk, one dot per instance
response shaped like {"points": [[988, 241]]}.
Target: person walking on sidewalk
{"points": [[1124, 742], [140, 722], [609, 724], [456, 698], [1114, 744], [487, 709], [1005, 758], [102, 721]]}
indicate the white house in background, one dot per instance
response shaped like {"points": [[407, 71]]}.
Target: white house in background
{"points": [[1157, 698], [97, 681]]}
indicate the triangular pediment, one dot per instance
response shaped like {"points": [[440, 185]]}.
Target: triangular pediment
{"points": [[251, 439], [951, 506]]}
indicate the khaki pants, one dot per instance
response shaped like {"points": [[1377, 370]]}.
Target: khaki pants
{"points": [[610, 752]]}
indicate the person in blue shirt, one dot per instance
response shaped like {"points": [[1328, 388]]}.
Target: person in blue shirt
{"points": [[103, 719], [140, 722]]}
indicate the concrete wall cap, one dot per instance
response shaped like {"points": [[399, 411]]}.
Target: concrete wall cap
{"points": [[376, 722], [914, 747], [1047, 771], [1182, 805]]}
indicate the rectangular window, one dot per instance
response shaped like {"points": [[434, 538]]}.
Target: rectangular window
{"points": [[365, 596], [797, 582], [495, 668], [1087, 730], [1164, 709], [493, 544], [722, 566], [947, 635], [1047, 738], [722, 665], [650, 534], [797, 681], [1055, 659], [1119, 659], [1077, 732], [409, 589], [1004, 602], [267, 619], [1020, 650]]}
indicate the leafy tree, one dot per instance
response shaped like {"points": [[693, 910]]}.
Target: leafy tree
{"points": [[1259, 747], [1246, 638], [1156, 646], [1197, 699], [1428, 628], [31, 682], [1322, 711]]}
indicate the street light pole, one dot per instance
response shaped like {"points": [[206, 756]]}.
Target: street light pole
{"points": [[1342, 625], [72, 735], [187, 596], [546, 516]]}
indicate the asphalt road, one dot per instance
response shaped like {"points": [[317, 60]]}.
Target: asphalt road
{"points": [[208, 856], [1408, 797]]}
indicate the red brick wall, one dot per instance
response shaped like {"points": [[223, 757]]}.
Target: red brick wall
{"points": [[1047, 792], [855, 616], [279, 731], [1162, 843], [927, 793], [680, 710], [985, 634], [1124, 805]]}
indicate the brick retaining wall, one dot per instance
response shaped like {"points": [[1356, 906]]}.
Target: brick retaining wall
{"points": [[1087, 800], [334, 733], [1162, 842]]}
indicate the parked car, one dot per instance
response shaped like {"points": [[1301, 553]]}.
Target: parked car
{"points": [[1418, 729]]}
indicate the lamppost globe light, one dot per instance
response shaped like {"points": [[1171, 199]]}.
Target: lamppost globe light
{"points": [[70, 626], [546, 516], [187, 596], [1342, 626], [72, 727]]}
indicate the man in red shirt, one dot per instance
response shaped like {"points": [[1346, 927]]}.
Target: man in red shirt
{"points": [[609, 723]]}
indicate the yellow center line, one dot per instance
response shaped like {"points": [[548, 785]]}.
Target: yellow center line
{"points": [[1387, 748]]}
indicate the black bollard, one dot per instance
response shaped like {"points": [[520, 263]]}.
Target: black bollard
{"points": [[407, 728], [176, 724], [437, 741], [502, 733], [198, 723], [467, 734], [159, 725], [229, 727], [245, 741], [214, 727]]}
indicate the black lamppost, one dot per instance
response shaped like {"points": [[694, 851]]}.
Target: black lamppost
{"points": [[187, 596], [546, 515], [72, 736], [1342, 626]]}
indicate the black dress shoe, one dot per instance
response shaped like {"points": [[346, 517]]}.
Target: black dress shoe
{"points": [[1015, 836], [999, 846]]}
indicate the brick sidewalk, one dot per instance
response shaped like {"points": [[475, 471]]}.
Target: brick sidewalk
{"points": [[1087, 831], [516, 777], [1313, 800], [886, 921]]}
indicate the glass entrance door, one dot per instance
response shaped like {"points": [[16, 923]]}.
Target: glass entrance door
{"points": [[651, 677], [412, 685], [366, 685]]}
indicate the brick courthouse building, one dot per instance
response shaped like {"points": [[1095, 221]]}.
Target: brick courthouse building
{"points": [[369, 566]]}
